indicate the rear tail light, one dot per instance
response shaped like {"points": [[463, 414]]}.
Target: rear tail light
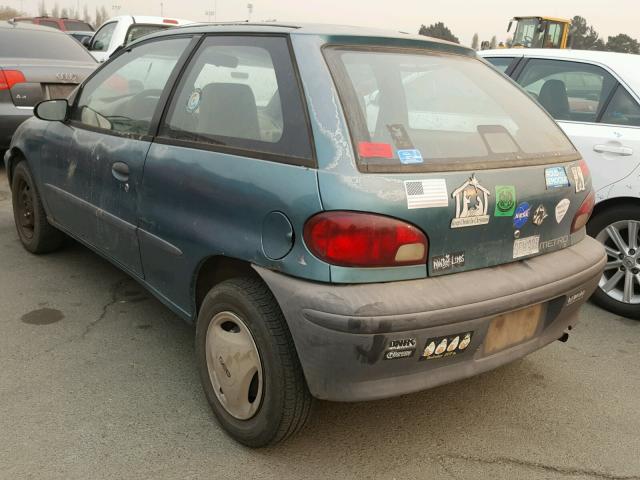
{"points": [[585, 169], [352, 239], [172, 22], [583, 213], [9, 78]]}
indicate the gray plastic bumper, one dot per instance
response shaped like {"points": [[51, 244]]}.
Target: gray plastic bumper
{"points": [[342, 332]]}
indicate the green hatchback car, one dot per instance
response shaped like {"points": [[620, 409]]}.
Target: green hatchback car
{"points": [[343, 214]]}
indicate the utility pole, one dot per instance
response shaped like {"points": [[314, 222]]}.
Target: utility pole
{"points": [[161, 10]]}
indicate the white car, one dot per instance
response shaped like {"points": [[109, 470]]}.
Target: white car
{"points": [[119, 31], [595, 98]]}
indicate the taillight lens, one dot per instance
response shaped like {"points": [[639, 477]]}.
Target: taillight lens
{"points": [[353, 239], [169, 21], [8, 78], [584, 212]]}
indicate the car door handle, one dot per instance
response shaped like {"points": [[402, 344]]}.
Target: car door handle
{"points": [[618, 150], [120, 171]]}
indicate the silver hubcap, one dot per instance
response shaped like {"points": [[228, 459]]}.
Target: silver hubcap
{"points": [[234, 365], [621, 277]]}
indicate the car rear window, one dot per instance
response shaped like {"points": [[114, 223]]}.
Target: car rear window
{"points": [[16, 43], [77, 26], [138, 30], [419, 110]]}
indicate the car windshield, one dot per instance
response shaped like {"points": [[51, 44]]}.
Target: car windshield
{"points": [[44, 44], [414, 110]]}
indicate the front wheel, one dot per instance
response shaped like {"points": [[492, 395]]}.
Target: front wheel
{"points": [[35, 232], [618, 230], [248, 365]]}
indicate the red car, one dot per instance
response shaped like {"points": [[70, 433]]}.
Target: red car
{"points": [[64, 24]]}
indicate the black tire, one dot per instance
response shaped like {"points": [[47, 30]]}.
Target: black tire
{"points": [[596, 225], [36, 234], [286, 400]]}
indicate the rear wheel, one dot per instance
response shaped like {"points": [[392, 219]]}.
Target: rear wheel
{"points": [[248, 365], [618, 229], [35, 232]]}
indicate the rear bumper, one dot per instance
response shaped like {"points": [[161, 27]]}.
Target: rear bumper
{"points": [[343, 332], [10, 119]]}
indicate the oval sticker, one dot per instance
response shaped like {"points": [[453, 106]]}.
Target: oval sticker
{"points": [[561, 209]]}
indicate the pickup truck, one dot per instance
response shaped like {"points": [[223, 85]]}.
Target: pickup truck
{"points": [[119, 31]]}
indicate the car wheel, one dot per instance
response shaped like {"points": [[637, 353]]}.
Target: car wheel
{"points": [[619, 287], [35, 232], [248, 364]]}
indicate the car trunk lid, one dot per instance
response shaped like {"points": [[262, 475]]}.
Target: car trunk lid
{"points": [[44, 80]]}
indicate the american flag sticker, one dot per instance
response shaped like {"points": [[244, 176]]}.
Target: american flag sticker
{"points": [[426, 193]]}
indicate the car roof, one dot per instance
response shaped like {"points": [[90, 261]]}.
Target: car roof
{"points": [[8, 24], [625, 65], [294, 28]]}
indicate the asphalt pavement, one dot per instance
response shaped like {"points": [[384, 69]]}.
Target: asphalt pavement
{"points": [[98, 380]]}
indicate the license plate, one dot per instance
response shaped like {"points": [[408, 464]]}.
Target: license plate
{"points": [[512, 328], [526, 246]]}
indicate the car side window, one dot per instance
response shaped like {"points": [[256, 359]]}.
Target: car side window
{"points": [[102, 38], [622, 110], [123, 96], [567, 90], [241, 93], [500, 63]]}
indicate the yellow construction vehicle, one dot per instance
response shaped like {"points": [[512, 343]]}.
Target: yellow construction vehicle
{"points": [[540, 32]]}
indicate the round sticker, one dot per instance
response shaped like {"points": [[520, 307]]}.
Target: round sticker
{"points": [[522, 215], [194, 100]]}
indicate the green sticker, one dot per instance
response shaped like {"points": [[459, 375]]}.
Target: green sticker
{"points": [[505, 200]]}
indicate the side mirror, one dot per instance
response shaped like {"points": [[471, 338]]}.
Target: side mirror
{"points": [[86, 42], [52, 110]]}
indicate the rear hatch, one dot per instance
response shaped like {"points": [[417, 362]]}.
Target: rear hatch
{"points": [[447, 144]]}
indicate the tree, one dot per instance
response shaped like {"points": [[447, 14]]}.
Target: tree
{"points": [[584, 36], [623, 43], [475, 43], [85, 14], [55, 12], [7, 13], [64, 13], [438, 30], [42, 9], [494, 43]]}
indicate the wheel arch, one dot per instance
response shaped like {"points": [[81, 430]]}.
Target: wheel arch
{"points": [[216, 269], [614, 202], [15, 156]]}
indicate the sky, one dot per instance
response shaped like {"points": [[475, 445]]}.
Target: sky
{"points": [[464, 18]]}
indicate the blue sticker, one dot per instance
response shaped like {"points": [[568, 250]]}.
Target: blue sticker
{"points": [[410, 156], [193, 102], [522, 215], [556, 177]]}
